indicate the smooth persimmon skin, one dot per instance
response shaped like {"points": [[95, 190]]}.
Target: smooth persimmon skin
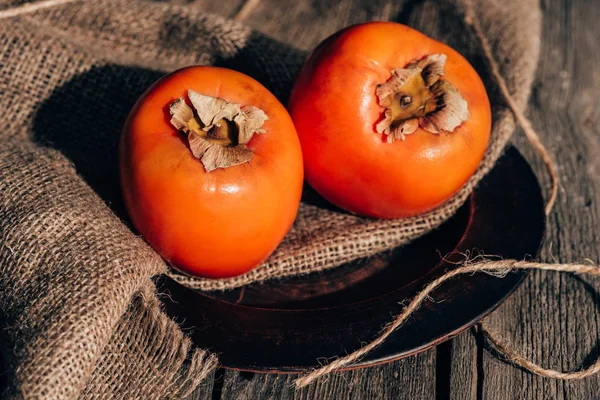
{"points": [[212, 224], [335, 109]]}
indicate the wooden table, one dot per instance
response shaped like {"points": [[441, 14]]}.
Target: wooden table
{"points": [[554, 319]]}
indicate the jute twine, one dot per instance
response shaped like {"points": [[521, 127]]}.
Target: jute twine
{"points": [[496, 268]]}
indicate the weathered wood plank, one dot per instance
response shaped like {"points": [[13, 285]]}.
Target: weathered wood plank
{"points": [[412, 378], [204, 390], [465, 362], [553, 319]]}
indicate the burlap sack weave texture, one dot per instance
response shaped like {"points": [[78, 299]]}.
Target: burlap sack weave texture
{"points": [[79, 311]]}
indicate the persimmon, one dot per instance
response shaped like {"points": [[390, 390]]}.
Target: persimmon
{"points": [[391, 122], [211, 170]]}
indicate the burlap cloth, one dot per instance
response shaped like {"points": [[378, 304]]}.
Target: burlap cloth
{"points": [[79, 312]]}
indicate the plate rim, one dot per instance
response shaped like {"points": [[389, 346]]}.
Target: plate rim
{"points": [[372, 358]]}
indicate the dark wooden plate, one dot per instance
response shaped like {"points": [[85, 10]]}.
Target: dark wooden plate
{"points": [[292, 324]]}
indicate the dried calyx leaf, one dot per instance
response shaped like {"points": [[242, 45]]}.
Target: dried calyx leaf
{"points": [[415, 96], [218, 130]]}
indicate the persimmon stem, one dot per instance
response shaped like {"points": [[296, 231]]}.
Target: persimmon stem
{"points": [[218, 130], [223, 132], [416, 96]]}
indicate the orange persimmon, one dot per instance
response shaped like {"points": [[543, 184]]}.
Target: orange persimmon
{"points": [[211, 170], [391, 122]]}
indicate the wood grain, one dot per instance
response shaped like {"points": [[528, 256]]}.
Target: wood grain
{"points": [[205, 389], [553, 318], [414, 379]]}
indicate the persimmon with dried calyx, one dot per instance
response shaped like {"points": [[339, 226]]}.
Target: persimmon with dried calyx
{"points": [[211, 170], [391, 122]]}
